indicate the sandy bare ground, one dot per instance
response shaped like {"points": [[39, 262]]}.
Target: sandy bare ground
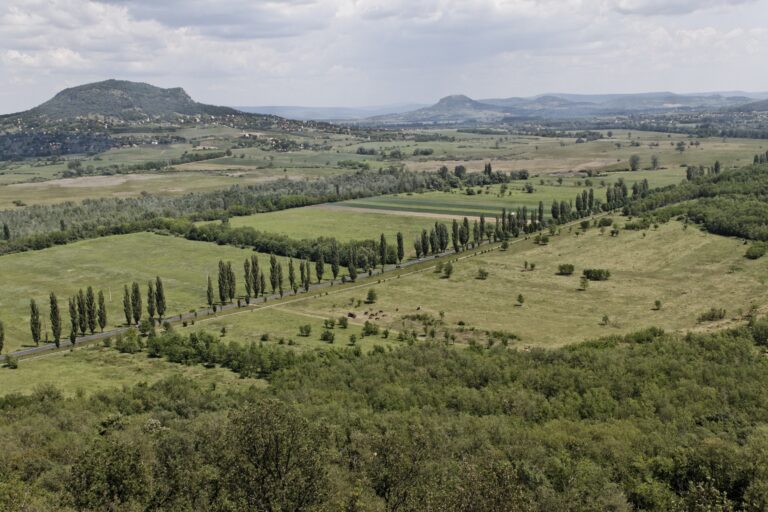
{"points": [[401, 213]]}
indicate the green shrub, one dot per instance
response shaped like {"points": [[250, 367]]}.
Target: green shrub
{"points": [[756, 251], [565, 269]]}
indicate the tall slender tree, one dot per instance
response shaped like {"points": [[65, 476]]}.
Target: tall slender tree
{"points": [[127, 311], [160, 304], [320, 267], [400, 247], [73, 321], [292, 277], [2, 336], [34, 321], [256, 285], [335, 260], [382, 251], [82, 312], [273, 272], [352, 262], [102, 312], [231, 283], [136, 302], [209, 292], [90, 309], [280, 279], [262, 283], [223, 285], [307, 275], [247, 279], [151, 301], [55, 316]]}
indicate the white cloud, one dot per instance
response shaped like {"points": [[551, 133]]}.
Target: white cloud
{"points": [[378, 51]]}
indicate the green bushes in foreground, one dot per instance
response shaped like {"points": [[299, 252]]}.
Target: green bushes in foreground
{"points": [[649, 421]]}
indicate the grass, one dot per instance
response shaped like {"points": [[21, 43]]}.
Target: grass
{"points": [[687, 270], [108, 264], [282, 327], [317, 221], [94, 368]]}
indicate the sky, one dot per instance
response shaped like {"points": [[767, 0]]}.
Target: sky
{"points": [[381, 52]]}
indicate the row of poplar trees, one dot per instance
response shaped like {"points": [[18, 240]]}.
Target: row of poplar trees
{"points": [[132, 303], [86, 312]]}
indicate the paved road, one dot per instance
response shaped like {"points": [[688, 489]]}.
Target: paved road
{"points": [[363, 280]]}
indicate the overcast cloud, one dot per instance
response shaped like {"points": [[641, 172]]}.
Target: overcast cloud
{"points": [[375, 52]]}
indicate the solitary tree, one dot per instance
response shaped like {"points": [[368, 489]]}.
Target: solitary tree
{"points": [[372, 296], [520, 299], [448, 270], [136, 302], [634, 162], [654, 162], [160, 304], [34, 321], [55, 316], [102, 312], [400, 247]]}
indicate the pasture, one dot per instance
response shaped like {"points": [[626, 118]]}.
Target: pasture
{"points": [[107, 264], [687, 270]]}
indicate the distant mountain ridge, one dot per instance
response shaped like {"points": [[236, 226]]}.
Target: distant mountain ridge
{"points": [[458, 109], [122, 100]]}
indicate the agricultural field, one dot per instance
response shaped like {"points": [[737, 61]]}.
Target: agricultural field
{"points": [[93, 368], [107, 264], [331, 220], [687, 270]]}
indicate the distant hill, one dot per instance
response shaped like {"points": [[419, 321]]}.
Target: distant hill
{"points": [[459, 109], [122, 100], [755, 106]]}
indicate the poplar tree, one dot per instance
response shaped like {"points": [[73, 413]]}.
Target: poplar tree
{"points": [[2, 336], [292, 277], [352, 263], [136, 302], [280, 279], [126, 306], [383, 251], [160, 304], [73, 320], [424, 242], [400, 247], [262, 283], [455, 235], [308, 275], [231, 283], [247, 279], [273, 272], [303, 273], [335, 260], [90, 308], [209, 292], [6, 232], [82, 313], [55, 316], [34, 321], [151, 301], [223, 287], [255, 284], [320, 267], [102, 312]]}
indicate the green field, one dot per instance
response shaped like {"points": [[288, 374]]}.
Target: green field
{"points": [[94, 368], [108, 264], [331, 221], [687, 270]]}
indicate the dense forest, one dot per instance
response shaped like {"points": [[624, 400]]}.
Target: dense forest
{"points": [[650, 421]]}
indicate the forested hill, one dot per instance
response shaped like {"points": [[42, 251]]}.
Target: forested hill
{"points": [[122, 100]]}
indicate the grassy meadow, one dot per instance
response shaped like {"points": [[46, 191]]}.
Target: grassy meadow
{"points": [[108, 264], [687, 270], [93, 368]]}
